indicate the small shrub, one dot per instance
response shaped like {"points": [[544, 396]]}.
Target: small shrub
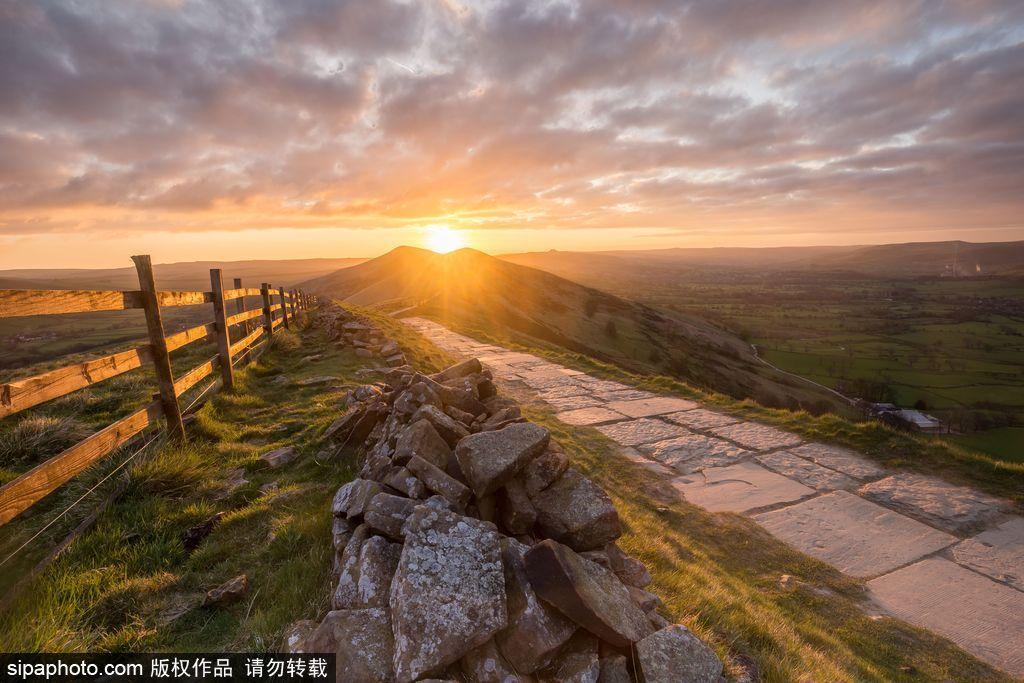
{"points": [[37, 438], [611, 330], [285, 340]]}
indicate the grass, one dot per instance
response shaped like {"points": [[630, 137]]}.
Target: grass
{"points": [[720, 575], [128, 584], [956, 462]]}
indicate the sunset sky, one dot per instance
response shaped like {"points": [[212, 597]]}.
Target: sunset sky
{"points": [[304, 128]]}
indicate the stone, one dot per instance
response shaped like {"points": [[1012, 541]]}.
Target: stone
{"points": [[450, 430], [957, 509], [364, 353], [387, 513], [341, 531], [700, 418], [806, 472], [361, 641], [674, 654], [630, 570], [295, 635], [646, 407], [854, 535], [448, 595], [614, 669], [421, 439], [644, 430], [998, 552], [438, 481], [645, 600], [535, 631], [501, 418], [347, 567], [981, 616], [352, 498], [757, 436], [343, 425], [459, 415], [562, 402], [586, 593], [402, 479], [367, 581], [844, 460], [515, 510], [694, 452], [489, 459], [319, 379], [193, 536], [228, 592], [739, 488], [590, 416], [540, 472], [577, 512], [467, 367], [279, 457], [390, 348], [486, 665], [577, 663]]}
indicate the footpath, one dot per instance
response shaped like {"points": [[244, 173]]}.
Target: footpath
{"points": [[942, 557]]}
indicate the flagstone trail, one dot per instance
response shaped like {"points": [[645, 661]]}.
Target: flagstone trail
{"points": [[946, 558]]}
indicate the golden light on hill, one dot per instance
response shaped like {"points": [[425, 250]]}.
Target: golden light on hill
{"points": [[442, 239]]}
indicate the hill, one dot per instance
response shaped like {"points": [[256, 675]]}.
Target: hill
{"points": [[182, 275], [471, 290], [913, 259]]}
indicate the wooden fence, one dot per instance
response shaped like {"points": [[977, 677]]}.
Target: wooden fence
{"points": [[276, 308]]}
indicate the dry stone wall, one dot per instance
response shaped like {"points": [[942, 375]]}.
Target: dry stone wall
{"points": [[470, 549]]}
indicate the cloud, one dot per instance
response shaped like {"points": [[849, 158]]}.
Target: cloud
{"points": [[199, 115]]}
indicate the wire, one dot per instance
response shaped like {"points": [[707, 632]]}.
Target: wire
{"points": [[83, 496], [101, 481]]}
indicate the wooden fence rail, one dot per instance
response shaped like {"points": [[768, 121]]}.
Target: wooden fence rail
{"points": [[29, 488]]}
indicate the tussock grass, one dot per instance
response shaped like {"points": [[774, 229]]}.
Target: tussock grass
{"points": [[37, 437], [285, 340]]}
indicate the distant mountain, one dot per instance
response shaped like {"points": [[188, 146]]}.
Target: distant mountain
{"points": [[470, 289], [182, 276], [914, 259]]}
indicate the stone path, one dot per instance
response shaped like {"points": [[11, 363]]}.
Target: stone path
{"points": [[943, 557]]}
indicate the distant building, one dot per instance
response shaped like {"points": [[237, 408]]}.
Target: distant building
{"points": [[906, 418]]}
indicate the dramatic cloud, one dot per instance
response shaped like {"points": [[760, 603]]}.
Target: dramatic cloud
{"points": [[709, 114]]}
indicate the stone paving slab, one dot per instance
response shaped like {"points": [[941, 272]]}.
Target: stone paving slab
{"points": [[853, 535], [957, 509], [757, 436], [644, 430], [700, 418], [998, 552], [623, 395], [840, 459], [647, 407], [571, 402], [981, 616], [631, 453], [694, 452], [562, 390], [590, 416], [738, 488], [806, 472]]}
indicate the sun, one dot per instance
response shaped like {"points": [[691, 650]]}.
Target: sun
{"points": [[442, 239]]}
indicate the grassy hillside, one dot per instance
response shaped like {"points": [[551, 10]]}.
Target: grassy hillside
{"points": [[184, 275], [954, 346], [470, 288]]}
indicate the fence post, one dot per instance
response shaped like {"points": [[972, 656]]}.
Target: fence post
{"points": [[227, 373], [268, 316], [295, 305], [284, 307], [158, 347]]}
